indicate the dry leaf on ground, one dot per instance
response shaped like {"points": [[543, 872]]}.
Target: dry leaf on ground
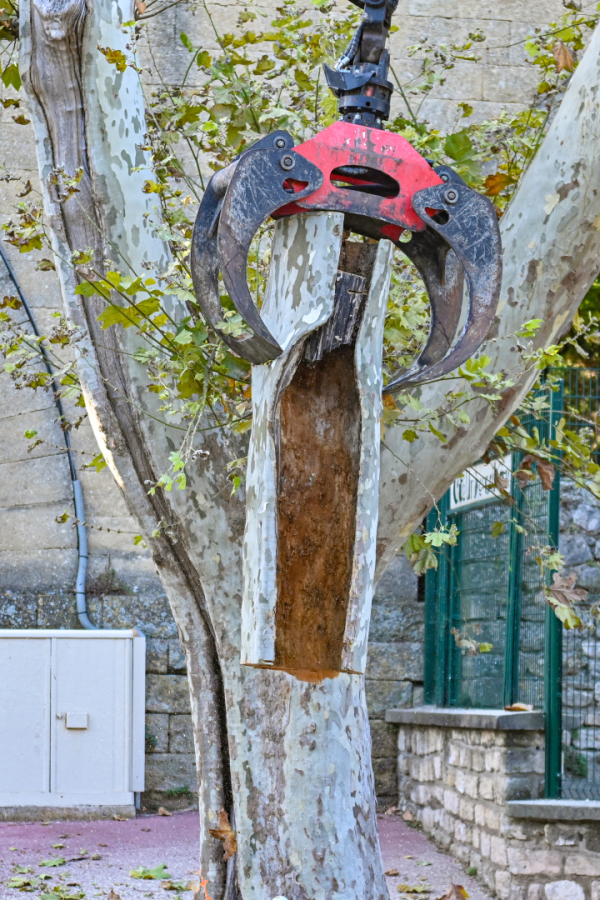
{"points": [[414, 888], [454, 892], [408, 816], [113, 895], [224, 832], [391, 872], [519, 707], [164, 812]]}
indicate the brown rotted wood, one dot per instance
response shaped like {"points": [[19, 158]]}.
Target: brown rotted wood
{"points": [[318, 472]]}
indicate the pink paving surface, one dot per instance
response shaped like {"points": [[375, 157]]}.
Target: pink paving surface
{"points": [[173, 840]]}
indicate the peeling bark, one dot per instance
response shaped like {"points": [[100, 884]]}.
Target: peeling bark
{"points": [[294, 758]]}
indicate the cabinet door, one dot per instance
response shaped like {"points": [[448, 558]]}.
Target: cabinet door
{"points": [[91, 719], [24, 716]]}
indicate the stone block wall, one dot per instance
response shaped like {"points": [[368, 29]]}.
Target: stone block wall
{"points": [[458, 783], [170, 761], [394, 675]]}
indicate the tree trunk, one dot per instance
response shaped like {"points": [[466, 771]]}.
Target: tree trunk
{"points": [[293, 757]]}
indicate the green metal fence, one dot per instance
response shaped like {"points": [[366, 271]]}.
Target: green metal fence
{"points": [[488, 589]]}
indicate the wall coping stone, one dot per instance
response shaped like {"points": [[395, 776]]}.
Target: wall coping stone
{"points": [[555, 810], [488, 719]]}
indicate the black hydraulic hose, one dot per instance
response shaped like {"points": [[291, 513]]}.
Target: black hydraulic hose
{"points": [[82, 543]]}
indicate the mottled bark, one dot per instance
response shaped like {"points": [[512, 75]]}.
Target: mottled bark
{"points": [[293, 757], [59, 39]]}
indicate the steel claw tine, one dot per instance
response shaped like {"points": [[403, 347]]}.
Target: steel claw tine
{"points": [[263, 182], [467, 221], [204, 254], [443, 275]]}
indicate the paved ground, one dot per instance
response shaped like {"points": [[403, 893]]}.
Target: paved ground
{"points": [[99, 857]]}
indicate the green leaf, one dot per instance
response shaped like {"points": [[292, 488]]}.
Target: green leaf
{"points": [[409, 435], [265, 64], [459, 146], [11, 77], [498, 528], [184, 337], [117, 315], [186, 42], [303, 81], [159, 872], [57, 861], [98, 463], [528, 329], [29, 434], [437, 433], [204, 59]]}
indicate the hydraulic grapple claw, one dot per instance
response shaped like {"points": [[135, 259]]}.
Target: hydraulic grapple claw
{"points": [[383, 186]]}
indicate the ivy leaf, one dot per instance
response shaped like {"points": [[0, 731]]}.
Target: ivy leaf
{"points": [[498, 528], [409, 435]]}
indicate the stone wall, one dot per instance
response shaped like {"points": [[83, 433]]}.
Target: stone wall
{"points": [[460, 784], [394, 667], [580, 544]]}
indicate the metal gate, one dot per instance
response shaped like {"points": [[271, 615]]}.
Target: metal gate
{"points": [[488, 590]]}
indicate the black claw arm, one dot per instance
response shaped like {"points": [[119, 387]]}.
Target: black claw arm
{"points": [[467, 222], [236, 203]]}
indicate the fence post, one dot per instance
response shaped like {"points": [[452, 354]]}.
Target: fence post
{"points": [[513, 608], [553, 638]]}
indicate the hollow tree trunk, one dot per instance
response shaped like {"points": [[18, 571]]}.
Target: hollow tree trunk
{"points": [[294, 757]]}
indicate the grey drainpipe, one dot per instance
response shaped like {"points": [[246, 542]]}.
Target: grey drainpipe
{"points": [[82, 543]]}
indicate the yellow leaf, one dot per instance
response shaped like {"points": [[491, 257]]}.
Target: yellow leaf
{"points": [[495, 184]]}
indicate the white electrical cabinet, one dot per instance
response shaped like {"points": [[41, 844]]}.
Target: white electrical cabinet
{"points": [[71, 717]]}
